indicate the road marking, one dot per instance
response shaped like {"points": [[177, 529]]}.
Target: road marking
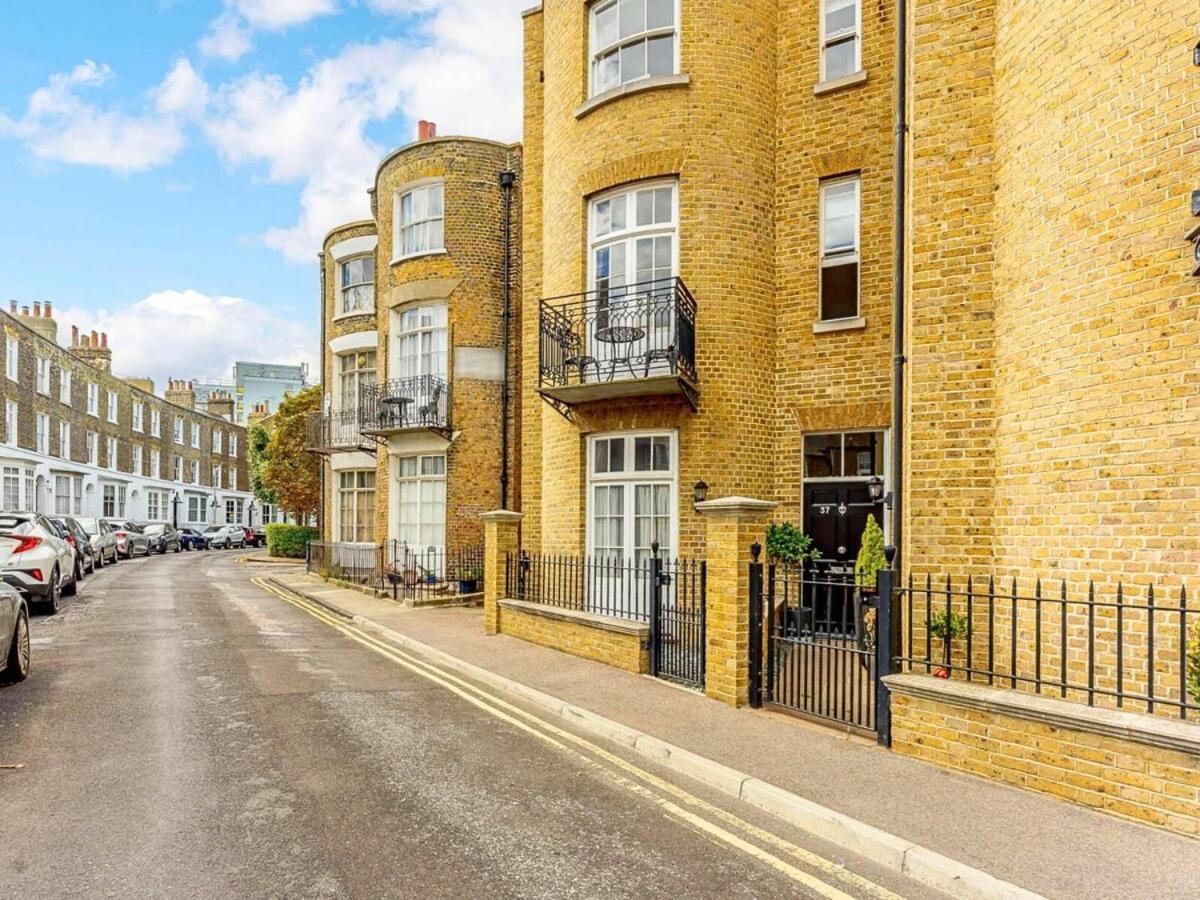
{"points": [[559, 738]]}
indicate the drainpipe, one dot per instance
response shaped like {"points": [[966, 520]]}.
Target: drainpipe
{"points": [[898, 359], [507, 180], [324, 387]]}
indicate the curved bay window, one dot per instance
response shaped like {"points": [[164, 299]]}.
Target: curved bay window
{"points": [[356, 506], [420, 342], [355, 371], [631, 40], [358, 285], [421, 501]]}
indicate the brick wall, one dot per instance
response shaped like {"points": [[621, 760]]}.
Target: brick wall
{"points": [[559, 630]]}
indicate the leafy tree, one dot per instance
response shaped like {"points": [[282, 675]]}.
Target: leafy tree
{"points": [[870, 556], [290, 471], [259, 440]]}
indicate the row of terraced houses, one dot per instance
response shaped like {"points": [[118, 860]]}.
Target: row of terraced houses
{"points": [[582, 374]]}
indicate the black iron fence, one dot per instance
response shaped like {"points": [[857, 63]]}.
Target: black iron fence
{"points": [[619, 333], [1134, 648], [668, 595], [334, 431], [418, 402], [401, 570]]}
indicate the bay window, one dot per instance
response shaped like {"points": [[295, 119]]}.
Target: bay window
{"points": [[358, 285], [420, 342], [419, 219], [841, 44], [631, 40], [421, 501], [839, 248], [356, 506], [356, 370], [632, 496]]}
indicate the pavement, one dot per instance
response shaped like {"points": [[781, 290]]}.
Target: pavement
{"points": [[190, 730], [1019, 837]]}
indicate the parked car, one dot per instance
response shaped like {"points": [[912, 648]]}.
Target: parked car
{"points": [[223, 537], [131, 541], [14, 635], [162, 538], [192, 539], [85, 557], [103, 541], [35, 560], [255, 537]]}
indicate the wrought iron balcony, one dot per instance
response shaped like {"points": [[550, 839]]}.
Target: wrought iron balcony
{"points": [[404, 404], [334, 432], [631, 341]]}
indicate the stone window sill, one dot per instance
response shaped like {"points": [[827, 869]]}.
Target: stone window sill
{"points": [[356, 314], [403, 259], [837, 84], [634, 87], [858, 323]]}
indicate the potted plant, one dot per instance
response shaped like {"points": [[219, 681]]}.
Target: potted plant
{"points": [[468, 580], [867, 565], [787, 544], [946, 626]]}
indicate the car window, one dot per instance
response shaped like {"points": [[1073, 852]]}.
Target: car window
{"points": [[13, 525]]}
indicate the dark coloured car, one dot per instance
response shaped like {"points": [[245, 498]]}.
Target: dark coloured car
{"points": [[191, 539], [255, 537], [77, 537], [162, 538], [14, 635]]}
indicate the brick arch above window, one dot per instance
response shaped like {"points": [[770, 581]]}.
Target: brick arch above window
{"points": [[840, 162], [638, 167]]}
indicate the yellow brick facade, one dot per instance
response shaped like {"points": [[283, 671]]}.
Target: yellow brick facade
{"points": [[467, 277], [618, 649]]}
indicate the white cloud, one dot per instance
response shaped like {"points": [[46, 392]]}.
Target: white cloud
{"points": [[187, 334], [462, 69], [60, 125], [230, 36]]}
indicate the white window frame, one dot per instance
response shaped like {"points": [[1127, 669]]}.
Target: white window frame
{"points": [[64, 439], [596, 52], [357, 376], [42, 440], [12, 358], [216, 440], [113, 407], [92, 442], [629, 235], [155, 464], [70, 503], [112, 449], [43, 376], [155, 423], [216, 476], [841, 37], [431, 359], [93, 399], [136, 459], [197, 504], [405, 530], [65, 380], [344, 289], [631, 480], [12, 415], [195, 435], [113, 498], [157, 503], [138, 416], [178, 469], [356, 492], [402, 228], [232, 445], [195, 471], [840, 257], [178, 433]]}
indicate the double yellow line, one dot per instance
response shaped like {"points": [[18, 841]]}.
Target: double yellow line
{"points": [[715, 823]]}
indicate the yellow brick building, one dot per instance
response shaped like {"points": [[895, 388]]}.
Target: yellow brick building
{"points": [[707, 253], [414, 428]]}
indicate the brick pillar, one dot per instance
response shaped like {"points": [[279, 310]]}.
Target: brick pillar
{"points": [[732, 525], [501, 536]]}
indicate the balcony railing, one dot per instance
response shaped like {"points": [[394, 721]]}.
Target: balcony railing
{"points": [[329, 432], [633, 340], [405, 403]]}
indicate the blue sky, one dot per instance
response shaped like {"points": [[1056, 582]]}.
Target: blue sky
{"points": [[168, 167]]}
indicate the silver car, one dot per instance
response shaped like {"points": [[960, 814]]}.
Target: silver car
{"points": [[222, 537], [35, 560], [14, 635], [103, 541]]}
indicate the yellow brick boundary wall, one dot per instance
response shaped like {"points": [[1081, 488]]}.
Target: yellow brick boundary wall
{"points": [[1136, 766], [625, 645]]}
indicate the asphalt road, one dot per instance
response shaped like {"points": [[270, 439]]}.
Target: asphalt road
{"points": [[185, 733]]}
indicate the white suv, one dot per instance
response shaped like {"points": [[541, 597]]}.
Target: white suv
{"points": [[35, 560], [222, 537]]}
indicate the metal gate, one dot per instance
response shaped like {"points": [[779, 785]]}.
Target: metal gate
{"points": [[814, 645], [677, 620]]}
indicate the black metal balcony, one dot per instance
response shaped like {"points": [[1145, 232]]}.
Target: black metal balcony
{"points": [[404, 404], [631, 341], [334, 432]]}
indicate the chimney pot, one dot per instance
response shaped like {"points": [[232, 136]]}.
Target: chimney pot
{"points": [[12, 307], [95, 340], [104, 339], [37, 310], [74, 335], [426, 130], [25, 310], [46, 310]]}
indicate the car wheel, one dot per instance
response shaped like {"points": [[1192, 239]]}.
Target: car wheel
{"points": [[50, 604], [17, 668], [98, 563], [72, 587]]}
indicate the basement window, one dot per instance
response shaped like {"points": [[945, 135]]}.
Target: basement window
{"points": [[631, 40]]}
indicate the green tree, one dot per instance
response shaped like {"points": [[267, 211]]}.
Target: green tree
{"points": [[870, 556], [290, 471], [259, 440]]}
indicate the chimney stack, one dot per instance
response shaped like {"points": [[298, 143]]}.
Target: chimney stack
{"points": [[40, 322], [87, 348], [426, 130], [181, 393], [220, 403]]}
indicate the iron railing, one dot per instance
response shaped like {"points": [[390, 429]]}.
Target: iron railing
{"points": [[400, 570], [422, 401], [618, 334], [1133, 648], [334, 431]]}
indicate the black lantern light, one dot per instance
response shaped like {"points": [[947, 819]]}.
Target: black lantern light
{"points": [[700, 492], [875, 488], [1196, 55]]}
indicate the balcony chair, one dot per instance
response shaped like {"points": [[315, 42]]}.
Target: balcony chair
{"points": [[575, 358], [430, 412], [665, 353]]}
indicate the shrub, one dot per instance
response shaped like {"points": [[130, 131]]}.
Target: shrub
{"points": [[786, 543], [870, 556], [289, 540], [943, 625], [1193, 664]]}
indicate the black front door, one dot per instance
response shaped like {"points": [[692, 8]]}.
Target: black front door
{"points": [[835, 515]]}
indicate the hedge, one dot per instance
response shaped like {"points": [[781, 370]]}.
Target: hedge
{"points": [[289, 540]]}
